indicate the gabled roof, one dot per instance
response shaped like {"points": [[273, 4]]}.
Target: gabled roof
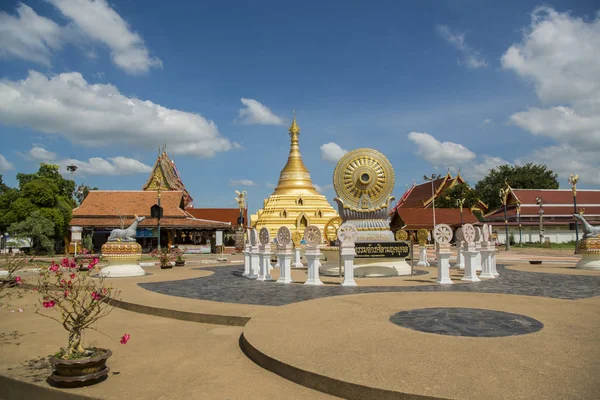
{"points": [[105, 208], [417, 218], [229, 215], [165, 175]]}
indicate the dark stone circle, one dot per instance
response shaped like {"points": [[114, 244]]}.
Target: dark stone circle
{"points": [[472, 322]]}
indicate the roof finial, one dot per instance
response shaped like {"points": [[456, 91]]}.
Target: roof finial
{"points": [[294, 129]]}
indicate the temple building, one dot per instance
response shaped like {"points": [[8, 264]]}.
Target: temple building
{"points": [[414, 210], [165, 176], [295, 202], [524, 207]]}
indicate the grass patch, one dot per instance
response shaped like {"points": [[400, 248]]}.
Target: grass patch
{"points": [[558, 246]]}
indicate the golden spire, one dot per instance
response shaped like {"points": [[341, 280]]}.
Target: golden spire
{"points": [[294, 177]]}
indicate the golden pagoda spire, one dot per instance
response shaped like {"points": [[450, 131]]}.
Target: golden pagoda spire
{"points": [[294, 177]]}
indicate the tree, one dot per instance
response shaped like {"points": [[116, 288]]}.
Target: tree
{"points": [[449, 197], [82, 192], [528, 176], [3, 186], [39, 229]]}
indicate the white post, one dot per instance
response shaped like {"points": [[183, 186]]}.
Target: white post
{"points": [[347, 253], [254, 259], [265, 261], [312, 254], [460, 257], [486, 265], [284, 258], [443, 256], [478, 256], [246, 253], [297, 260], [470, 260], [422, 257], [493, 262]]}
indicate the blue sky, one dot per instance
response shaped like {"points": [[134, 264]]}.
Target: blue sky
{"points": [[432, 85]]}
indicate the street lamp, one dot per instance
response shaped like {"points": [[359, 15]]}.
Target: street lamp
{"points": [[573, 179], [158, 219], [503, 197], [460, 203], [540, 203], [433, 178], [519, 221]]}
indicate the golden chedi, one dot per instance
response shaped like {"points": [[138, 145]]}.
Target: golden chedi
{"points": [[295, 202]]}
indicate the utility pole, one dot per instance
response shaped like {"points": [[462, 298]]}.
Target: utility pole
{"points": [[573, 179], [540, 202], [503, 198]]}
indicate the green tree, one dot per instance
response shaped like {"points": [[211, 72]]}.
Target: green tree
{"points": [[82, 192], [449, 197], [3, 186], [39, 229], [528, 176]]}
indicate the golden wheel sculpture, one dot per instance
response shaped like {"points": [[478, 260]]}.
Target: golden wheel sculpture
{"points": [[363, 173], [296, 238], [422, 236], [331, 227], [401, 235]]}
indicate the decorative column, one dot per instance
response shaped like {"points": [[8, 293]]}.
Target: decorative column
{"points": [[297, 240], [478, 248], [470, 254], [284, 254], [347, 234], [312, 238], [442, 234], [264, 252], [246, 253], [486, 255], [254, 257], [422, 237], [460, 258]]}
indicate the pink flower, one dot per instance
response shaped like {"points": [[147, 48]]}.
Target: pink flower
{"points": [[49, 304], [64, 263], [72, 263], [96, 296], [20, 310], [14, 311], [53, 267], [18, 280], [125, 338], [66, 293], [72, 276]]}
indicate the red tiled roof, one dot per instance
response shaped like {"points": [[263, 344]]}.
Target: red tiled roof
{"points": [[417, 218], [230, 215], [188, 223], [557, 196]]}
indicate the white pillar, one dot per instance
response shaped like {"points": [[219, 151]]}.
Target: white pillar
{"points": [[486, 264], [297, 261], [254, 263], [284, 258], [246, 253], [422, 257], [493, 262], [347, 254], [478, 256], [264, 261], [470, 260], [460, 258], [443, 257], [312, 254]]}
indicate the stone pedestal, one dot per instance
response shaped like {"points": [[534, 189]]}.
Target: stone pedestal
{"points": [[264, 260], [312, 255], [122, 260], [284, 259], [297, 260], [493, 260], [347, 253], [246, 253], [589, 248], [470, 263], [443, 257], [254, 262], [478, 257], [486, 262], [422, 257]]}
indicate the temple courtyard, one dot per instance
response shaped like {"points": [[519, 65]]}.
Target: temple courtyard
{"points": [[203, 331]]}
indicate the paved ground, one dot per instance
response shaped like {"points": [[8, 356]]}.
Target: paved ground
{"points": [[228, 285]]}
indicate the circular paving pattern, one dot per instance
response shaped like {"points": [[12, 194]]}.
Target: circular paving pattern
{"points": [[473, 322]]}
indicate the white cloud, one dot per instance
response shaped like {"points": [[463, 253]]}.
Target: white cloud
{"points": [[487, 122], [32, 37], [322, 189], [472, 58], [270, 185], [29, 36], [559, 54], [99, 115], [440, 153], [256, 113], [103, 24], [5, 165], [39, 154], [332, 152], [476, 170], [242, 182], [110, 166]]}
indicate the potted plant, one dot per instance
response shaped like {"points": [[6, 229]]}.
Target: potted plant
{"points": [[12, 263], [165, 256], [179, 261], [76, 302]]}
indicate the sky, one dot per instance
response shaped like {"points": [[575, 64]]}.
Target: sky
{"points": [[433, 85]]}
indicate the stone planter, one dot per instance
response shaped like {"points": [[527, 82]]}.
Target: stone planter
{"points": [[82, 372], [9, 283], [166, 266], [180, 263]]}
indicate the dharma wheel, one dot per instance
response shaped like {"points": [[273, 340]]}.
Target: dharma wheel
{"points": [[363, 179]]}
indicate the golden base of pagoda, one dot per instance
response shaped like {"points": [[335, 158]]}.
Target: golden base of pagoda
{"points": [[589, 249], [121, 251]]}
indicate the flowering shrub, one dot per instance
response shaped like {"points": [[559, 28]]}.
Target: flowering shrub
{"points": [[12, 263], [165, 256], [79, 300]]}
